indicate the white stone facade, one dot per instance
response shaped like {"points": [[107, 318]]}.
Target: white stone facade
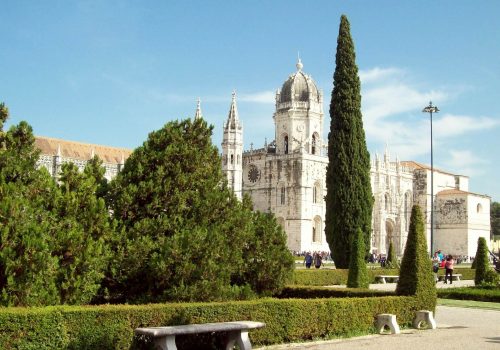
{"points": [[287, 178]]}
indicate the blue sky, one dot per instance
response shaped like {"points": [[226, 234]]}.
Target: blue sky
{"points": [[109, 72]]}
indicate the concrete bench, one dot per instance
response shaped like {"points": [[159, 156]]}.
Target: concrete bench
{"points": [[386, 278], [387, 320], [456, 277], [424, 316], [164, 337]]}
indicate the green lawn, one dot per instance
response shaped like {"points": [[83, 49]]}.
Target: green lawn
{"points": [[469, 303]]}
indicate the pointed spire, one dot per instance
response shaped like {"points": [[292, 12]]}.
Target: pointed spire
{"points": [[299, 64], [198, 114], [58, 152], [233, 120], [387, 156], [92, 153], [122, 160]]}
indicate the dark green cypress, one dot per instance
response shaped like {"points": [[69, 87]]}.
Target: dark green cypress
{"points": [[415, 274], [392, 260], [349, 197], [481, 262], [358, 274]]}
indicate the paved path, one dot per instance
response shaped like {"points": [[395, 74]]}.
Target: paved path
{"points": [[457, 328]]}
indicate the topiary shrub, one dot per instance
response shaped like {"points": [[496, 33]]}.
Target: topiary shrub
{"points": [[392, 260], [415, 275], [482, 263], [358, 274]]}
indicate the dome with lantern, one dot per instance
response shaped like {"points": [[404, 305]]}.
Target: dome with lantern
{"points": [[299, 90]]}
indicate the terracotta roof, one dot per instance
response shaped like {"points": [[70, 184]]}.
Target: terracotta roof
{"points": [[416, 165], [82, 151], [453, 191]]}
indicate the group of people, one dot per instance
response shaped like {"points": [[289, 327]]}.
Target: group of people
{"points": [[316, 258], [439, 260]]}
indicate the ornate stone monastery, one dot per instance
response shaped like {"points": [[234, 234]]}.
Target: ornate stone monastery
{"points": [[287, 177]]}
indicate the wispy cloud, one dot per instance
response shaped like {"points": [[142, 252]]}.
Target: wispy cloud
{"points": [[465, 162], [258, 97], [392, 105]]}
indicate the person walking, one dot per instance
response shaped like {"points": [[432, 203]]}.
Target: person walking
{"points": [[448, 265], [318, 260], [308, 260]]}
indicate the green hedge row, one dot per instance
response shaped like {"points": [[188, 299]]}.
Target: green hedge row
{"points": [[490, 294], [329, 277], [111, 326], [312, 292]]}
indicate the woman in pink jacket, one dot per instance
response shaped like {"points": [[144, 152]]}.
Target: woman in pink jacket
{"points": [[449, 268]]}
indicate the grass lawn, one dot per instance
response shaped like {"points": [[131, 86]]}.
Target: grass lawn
{"points": [[469, 303]]}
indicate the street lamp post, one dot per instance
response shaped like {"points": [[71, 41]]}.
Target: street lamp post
{"points": [[431, 109]]}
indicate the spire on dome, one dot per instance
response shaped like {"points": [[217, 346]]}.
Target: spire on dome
{"points": [[233, 121], [299, 64], [198, 114]]}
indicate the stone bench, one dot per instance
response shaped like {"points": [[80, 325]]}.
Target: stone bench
{"points": [[426, 317], [164, 337], [456, 277], [386, 278], [387, 320]]}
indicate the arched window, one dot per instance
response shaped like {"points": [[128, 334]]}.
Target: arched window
{"points": [[282, 199], [314, 144], [232, 158], [285, 144], [317, 193], [479, 208], [386, 201], [316, 230]]}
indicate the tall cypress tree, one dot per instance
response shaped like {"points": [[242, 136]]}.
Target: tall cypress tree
{"points": [[349, 196]]}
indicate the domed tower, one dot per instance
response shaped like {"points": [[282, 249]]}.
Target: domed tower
{"points": [[298, 118], [232, 149]]}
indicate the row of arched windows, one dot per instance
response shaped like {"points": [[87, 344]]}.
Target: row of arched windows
{"points": [[314, 144], [231, 159]]}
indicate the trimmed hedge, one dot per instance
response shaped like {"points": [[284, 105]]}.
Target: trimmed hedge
{"points": [[490, 294], [307, 292], [330, 277], [112, 326], [326, 277]]}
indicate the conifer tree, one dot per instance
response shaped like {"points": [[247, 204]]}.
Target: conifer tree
{"points": [[27, 268], [349, 196], [185, 232], [358, 274], [415, 275], [392, 260], [482, 262]]}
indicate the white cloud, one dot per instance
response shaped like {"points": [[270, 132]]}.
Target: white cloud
{"points": [[455, 125], [377, 74], [465, 162], [258, 97]]}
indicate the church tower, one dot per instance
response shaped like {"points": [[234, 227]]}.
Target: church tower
{"points": [[232, 150], [299, 115]]}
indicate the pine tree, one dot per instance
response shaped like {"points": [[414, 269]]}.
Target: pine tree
{"points": [[358, 274], [27, 268], [185, 232], [83, 233], [349, 196], [415, 274]]}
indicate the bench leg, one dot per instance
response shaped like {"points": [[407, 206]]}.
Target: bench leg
{"points": [[165, 343], [389, 321], [424, 316], [239, 337]]}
